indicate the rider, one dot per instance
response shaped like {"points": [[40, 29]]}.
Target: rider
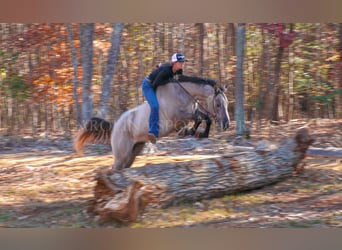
{"points": [[160, 76]]}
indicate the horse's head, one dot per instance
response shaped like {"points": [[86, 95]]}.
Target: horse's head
{"points": [[220, 108], [210, 95]]}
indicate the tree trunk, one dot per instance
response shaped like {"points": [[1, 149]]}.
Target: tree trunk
{"points": [[108, 79], [339, 97], [75, 67], [291, 93], [262, 78], [86, 39], [221, 53], [274, 103], [170, 39], [284, 42], [269, 79], [123, 195], [230, 40], [239, 81], [201, 52]]}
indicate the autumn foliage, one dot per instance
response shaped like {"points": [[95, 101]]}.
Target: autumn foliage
{"points": [[37, 84]]}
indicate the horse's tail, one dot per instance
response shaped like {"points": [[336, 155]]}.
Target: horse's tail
{"points": [[96, 130]]}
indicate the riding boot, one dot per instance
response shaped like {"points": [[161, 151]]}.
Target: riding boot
{"points": [[152, 138]]}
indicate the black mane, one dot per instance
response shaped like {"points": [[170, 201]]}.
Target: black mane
{"points": [[198, 80]]}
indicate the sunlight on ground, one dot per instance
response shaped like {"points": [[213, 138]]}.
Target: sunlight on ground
{"points": [[156, 159]]}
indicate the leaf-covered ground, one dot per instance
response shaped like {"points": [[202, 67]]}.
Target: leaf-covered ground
{"points": [[44, 184]]}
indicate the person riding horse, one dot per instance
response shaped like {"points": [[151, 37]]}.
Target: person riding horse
{"points": [[177, 100], [160, 76]]}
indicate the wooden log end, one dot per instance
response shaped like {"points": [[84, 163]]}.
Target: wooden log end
{"points": [[303, 139], [127, 203]]}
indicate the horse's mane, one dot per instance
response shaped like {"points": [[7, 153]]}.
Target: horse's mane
{"points": [[197, 80]]}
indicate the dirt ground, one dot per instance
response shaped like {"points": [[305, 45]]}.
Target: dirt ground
{"points": [[43, 183]]}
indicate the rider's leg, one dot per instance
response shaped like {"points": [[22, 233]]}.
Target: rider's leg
{"points": [[151, 98]]}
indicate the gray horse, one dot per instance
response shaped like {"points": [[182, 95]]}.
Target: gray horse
{"points": [[178, 102]]}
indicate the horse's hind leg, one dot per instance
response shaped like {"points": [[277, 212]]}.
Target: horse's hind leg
{"points": [[137, 148], [126, 154], [122, 148]]}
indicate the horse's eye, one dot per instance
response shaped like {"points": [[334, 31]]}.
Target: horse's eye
{"points": [[218, 105]]}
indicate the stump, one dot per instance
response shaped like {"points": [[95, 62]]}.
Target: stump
{"points": [[123, 195]]}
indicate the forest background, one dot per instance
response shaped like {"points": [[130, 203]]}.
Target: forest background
{"points": [[55, 76]]}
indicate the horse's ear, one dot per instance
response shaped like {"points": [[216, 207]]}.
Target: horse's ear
{"points": [[221, 87]]}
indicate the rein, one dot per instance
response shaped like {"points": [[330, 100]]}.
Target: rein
{"points": [[199, 105]]}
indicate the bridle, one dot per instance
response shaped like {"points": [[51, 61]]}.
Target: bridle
{"points": [[218, 91]]}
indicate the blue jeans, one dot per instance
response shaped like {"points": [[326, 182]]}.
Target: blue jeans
{"points": [[151, 98]]}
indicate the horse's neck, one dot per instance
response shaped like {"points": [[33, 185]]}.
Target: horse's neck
{"points": [[184, 94], [204, 93], [199, 91]]}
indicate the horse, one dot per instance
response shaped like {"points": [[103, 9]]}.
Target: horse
{"points": [[180, 102]]}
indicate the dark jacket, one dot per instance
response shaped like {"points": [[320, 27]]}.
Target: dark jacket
{"points": [[163, 75]]}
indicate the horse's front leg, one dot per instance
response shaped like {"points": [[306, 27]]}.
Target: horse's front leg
{"points": [[205, 134], [197, 118], [181, 126], [199, 115]]}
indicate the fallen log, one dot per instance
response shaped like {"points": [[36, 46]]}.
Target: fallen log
{"points": [[123, 195], [331, 151]]}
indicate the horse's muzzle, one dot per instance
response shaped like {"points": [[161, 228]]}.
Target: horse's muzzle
{"points": [[225, 125]]}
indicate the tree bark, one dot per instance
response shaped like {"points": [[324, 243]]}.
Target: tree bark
{"points": [[274, 94], [201, 42], [275, 89], [123, 195], [86, 40], [108, 79], [230, 40], [239, 81], [75, 67], [339, 96]]}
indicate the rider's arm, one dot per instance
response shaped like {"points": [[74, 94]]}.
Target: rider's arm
{"points": [[162, 78]]}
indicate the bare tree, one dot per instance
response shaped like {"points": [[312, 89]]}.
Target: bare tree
{"points": [[239, 80], [108, 78], [86, 40], [339, 107], [285, 40], [75, 66], [201, 52]]}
